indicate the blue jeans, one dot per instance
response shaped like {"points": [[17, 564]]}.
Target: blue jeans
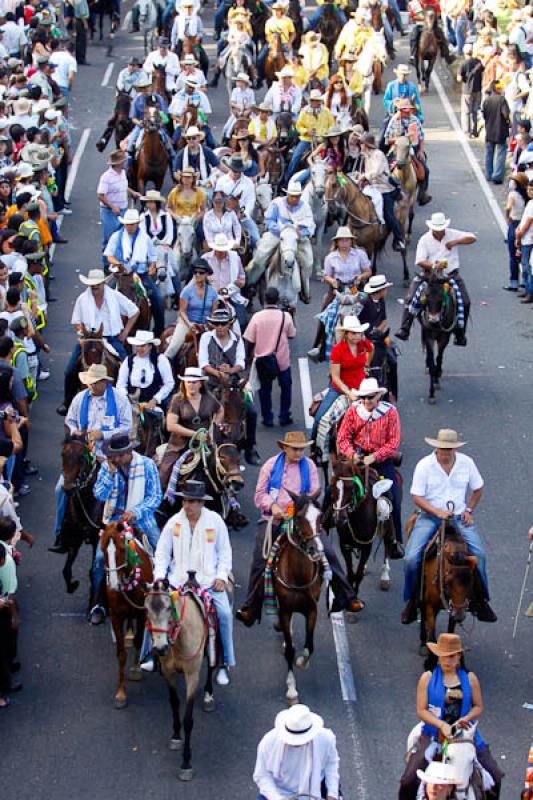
{"points": [[284, 379], [514, 262], [110, 224], [527, 277], [61, 505], [302, 176], [495, 172], [387, 32], [394, 7], [314, 18], [225, 625], [460, 33], [425, 527], [169, 8], [156, 302], [300, 151], [220, 16], [327, 401], [252, 230]]}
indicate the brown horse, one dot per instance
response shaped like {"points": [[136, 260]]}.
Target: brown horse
{"points": [[297, 582], [130, 286], [119, 122], [438, 319], [404, 172], [187, 355], [275, 60], [128, 573], [152, 162], [180, 636], [447, 580], [428, 49], [147, 426], [94, 350], [159, 81]]}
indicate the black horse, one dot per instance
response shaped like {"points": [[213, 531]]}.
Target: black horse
{"points": [[438, 319], [383, 367], [120, 123], [100, 9]]}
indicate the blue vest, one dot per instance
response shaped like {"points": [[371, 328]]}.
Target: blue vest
{"points": [[110, 409], [437, 697]]}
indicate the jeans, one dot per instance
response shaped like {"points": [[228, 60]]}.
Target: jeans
{"points": [[460, 33], [225, 625], [498, 150], [110, 224], [389, 198], [284, 379], [470, 104], [513, 258], [169, 8], [61, 505], [328, 400], [394, 7], [302, 176], [251, 228], [314, 18], [425, 527], [220, 16], [301, 150], [387, 33], [71, 368], [527, 277], [156, 302]]}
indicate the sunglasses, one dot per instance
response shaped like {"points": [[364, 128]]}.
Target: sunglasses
{"points": [[199, 272], [220, 324], [370, 396]]}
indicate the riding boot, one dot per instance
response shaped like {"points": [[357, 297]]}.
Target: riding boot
{"points": [[318, 351], [405, 326], [459, 337], [410, 612], [213, 83], [479, 605]]}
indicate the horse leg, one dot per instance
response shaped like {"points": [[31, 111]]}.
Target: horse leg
{"points": [[209, 700], [118, 629], [302, 662], [405, 268], [360, 573], [430, 362], [285, 618], [135, 671], [427, 629], [347, 553], [384, 578], [176, 742], [411, 218], [191, 683], [438, 367], [101, 26], [67, 569]]}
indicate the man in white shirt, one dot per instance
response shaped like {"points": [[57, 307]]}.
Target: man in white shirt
{"points": [[228, 273], [438, 249], [189, 69], [65, 66], [284, 95], [447, 486], [165, 58], [196, 539], [14, 37], [235, 184], [146, 371]]}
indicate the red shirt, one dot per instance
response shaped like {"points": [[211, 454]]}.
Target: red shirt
{"points": [[352, 367], [380, 436]]}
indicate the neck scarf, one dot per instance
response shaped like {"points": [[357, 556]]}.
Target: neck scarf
{"points": [[110, 409], [202, 166], [276, 476], [135, 486], [132, 251], [437, 697]]}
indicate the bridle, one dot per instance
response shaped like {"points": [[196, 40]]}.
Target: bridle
{"points": [[302, 544], [175, 626], [83, 480], [132, 580]]}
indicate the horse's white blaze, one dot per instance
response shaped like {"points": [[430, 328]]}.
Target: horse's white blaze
{"points": [[340, 501], [112, 565], [311, 515]]}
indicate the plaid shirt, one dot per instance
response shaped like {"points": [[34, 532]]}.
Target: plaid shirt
{"points": [[144, 512], [380, 435], [400, 126]]}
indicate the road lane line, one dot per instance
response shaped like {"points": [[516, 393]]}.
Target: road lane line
{"points": [[76, 162], [472, 160], [107, 74], [307, 391]]}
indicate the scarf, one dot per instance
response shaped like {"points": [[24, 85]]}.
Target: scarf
{"points": [[371, 416], [194, 550], [132, 251], [276, 476], [110, 409], [90, 311], [274, 763], [136, 488], [202, 166], [436, 700]]}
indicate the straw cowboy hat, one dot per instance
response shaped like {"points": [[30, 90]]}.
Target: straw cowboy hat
{"points": [[41, 106], [191, 81], [243, 76], [143, 337], [131, 217], [335, 130], [117, 157], [221, 243], [438, 221], [402, 104], [263, 107], [153, 196], [447, 439], [298, 725], [343, 232], [294, 187], [316, 94], [143, 82], [95, 373], [376, 283], [448, 644], [348, 55], [22, 106], [94, 277], [192, 374], [312, 36], [189, 59], [440, 773], [351, 324], [118, 445], [222, 316], [368, 387], [194, 490], [295, 439], [286, 72], [193, 131], [402, 69]]}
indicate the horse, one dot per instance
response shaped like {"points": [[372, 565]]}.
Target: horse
{"points": [[284, 270], [381, 368], [427, 50], [275, 60], [180, 638], [297, 582], [130, 285], [147, 426], [148, 18], [315, 195], [192, 46], [264, 190], [237, 60], [329, 28], [438, 319], [184, 247], [152, 161], [377, 24], [159, 81], [94, 350], [83, 513], [404, 172], [275, 167], [119, 123], [101, 9], [370, 62], [128, 573]]}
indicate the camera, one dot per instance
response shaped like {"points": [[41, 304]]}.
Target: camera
{"points": [[9, 414]]}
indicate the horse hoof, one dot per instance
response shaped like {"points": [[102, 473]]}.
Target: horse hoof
{"points": [[208, 704], [120, 703], [185, 775], [405, 283], [384, 584], [135, 674], [351, 618], [302, 662], [175, 744], [292, 700], [72, 586], [423, 651], [431, 401]]}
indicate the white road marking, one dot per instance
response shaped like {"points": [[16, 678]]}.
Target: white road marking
{"points": [[107, 74], [72, 177], [307, 391], [476, 169]]}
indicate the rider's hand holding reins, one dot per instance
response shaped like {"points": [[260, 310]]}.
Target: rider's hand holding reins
{"points": [[445, 729], [218, 585], [129, 517], [276, 511], [369, 460]]}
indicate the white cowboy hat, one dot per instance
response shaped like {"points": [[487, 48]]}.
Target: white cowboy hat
{"points": [[22, 106], [278, 4], [343, 233], [376, 283], [94, 277], [438, 222], [41, 106], [131, 217], [286, 72], [298, 725], [242, 76], [95, 373], [192, 374], [447, 439], [351, 324], [143, 82], [316, 94], [221, 243], [143, 337], [191, 81], [193, 131], [437, 772], [294, 187], [51, 114], [368, 387], [152, 195], [189, 59], [402, 69]]}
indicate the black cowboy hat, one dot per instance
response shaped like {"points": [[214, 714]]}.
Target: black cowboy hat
{"points": [[222, 315], [194, 490], [236, 164], [118, 445], [200, 264]]}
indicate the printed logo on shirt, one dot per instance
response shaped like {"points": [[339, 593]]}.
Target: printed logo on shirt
{"points": [[210, 535], [177, 530]]}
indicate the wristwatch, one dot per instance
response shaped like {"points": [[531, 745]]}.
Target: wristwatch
{"points": [[470, 510]]}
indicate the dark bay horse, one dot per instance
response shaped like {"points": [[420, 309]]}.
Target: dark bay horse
{"points": [[159, 81], [180, 636], [128, 284], [119, 123], [275, 60], [128, 575], [329, 28], [187, 355], [428, 49], [151, 163], [93, 351], [147, 426], [438, 319]]}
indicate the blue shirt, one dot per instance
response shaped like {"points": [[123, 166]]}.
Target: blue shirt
{"points": [[197, 309], [144, 512], [138, 105], [407, 90], [211, 159]]}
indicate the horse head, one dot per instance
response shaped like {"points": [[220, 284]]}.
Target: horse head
{"points": [[318, 178], [288, 246], [438, 302], [457, 574], [77, 463], [461, 754], [402, 151], [284, 124], [115, 532], [161, 612], [151, 119], [263, 194], [186, 236], [307, 517], [430, 19]]}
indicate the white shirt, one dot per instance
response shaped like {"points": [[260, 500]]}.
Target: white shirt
{"points": [[527, 238], [171, 63], [431, 482], [203, 350], [181, 100], [142, 375], [86, 312], [97, 416], [229, 224], [65, 65], [197, 74], [430, 249], [243, 187], [279, 101], [14, 38]]}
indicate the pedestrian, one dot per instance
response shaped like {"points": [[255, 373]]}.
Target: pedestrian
{"points": [[470, 76], [81, 14], [497, 122], [514, 208], [267, 337], [524, 242], [112, 193]]}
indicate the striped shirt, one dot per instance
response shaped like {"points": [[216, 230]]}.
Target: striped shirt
{"points": [[114, 186], [380, 435]]}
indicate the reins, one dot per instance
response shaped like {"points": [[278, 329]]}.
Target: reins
{"points": [[174, 630]]}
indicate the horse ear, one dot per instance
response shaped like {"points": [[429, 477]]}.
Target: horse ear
{"points": [[472, 562], [84, 331], [100, 331]]}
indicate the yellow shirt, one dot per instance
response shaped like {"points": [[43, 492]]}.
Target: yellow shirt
{"points": [[262, 132], [309, 122], [356, 81], [351, 38], [283, 26], [338, 3], [185, 207], [300, 76], [315, 58]]}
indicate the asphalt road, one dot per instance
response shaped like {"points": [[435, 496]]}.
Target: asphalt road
{"points": [[61, 737]]}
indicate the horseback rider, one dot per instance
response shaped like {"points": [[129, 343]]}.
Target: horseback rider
{"points": [[197, 300], [284, 95], [235, 184], [402, 87], [219, 219], [279, 24], [264, 134], [228, 273], [338, 8], [405, 123], [146, 99], [197, 540], [187, 24], [240, 36], [197, 156], [289, 472], [129, 76], [189, 69], [437, 249], [379, 185], [163, 57], [159, 226], [417, 9], [313, 122], [373, 310], [315, 56], [445, 476], [97, 307], [192, 95], [287, 767], [354, 34], [146, 371], [221, 354], [242, 101]]}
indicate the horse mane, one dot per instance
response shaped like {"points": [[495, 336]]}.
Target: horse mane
{"points": [[304, 500], [72, 438]]}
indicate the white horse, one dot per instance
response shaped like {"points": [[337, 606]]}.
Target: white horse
{"points": [[167, 268], [148, 13], [263, 196], [283, 271], [374, 49], [235, 59], [183, 249], [315, 194]]}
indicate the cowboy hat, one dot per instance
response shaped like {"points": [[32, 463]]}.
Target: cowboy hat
{"points": [[131, 217], [163, 41], [194, 490], [95, 373], [201, 265], [263, 107], [335, 130], [348, 55], [189, 59], [51, 114], [191, 81], [221, 316], [135, 60], [41, 106], [153, 196], [143, 337], [438, 221], [221, 243], [448, 644], [402, 104], [312, 36], [42, 59], [192, 374], [368, 387], [343, 232], [243, 134], [94, 277], [22, 106], [447, 439], [402, 69], [316, 94], [193, 131], [117, 157], [296, 439], [438, 772], [243, 76], [278, 4], [298, 725], [294, 187], [358, 130], [143, 82], [286, 72], [376, 283], [369, 140], [236, 165], [351, 324], [186, 171], [118, 445]]}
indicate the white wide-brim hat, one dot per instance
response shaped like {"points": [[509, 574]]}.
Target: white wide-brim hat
{"points": [[143, 337], [438, 221], [131, 217], [368, 387], [343, 232], [447, 439], [376, 283], [192, 374], [298, 725], [95, 373], [437, 772], [402, 69], [94, 277], [351, 324], [221, 243], [294, 187]]}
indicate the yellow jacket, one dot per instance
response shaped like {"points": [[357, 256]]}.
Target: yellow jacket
{"points": [[338, 3], [283, 26], [309, 123], [300, 76], [352, 38], [315, 58], [356, 81]]}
